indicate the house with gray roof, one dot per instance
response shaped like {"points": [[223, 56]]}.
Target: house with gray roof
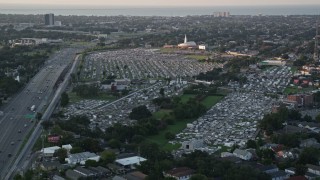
{"points": [[242, 154]]}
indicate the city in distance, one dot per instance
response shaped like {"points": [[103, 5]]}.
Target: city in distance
{"points": [[159, 90]]}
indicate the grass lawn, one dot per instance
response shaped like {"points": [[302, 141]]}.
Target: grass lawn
{"points": [[293, 69], [167, 50], [197, 57], [185, 98], [179, 125], [163, 112], [175, 129], [295, 89], [223, 149], [211, 101], [73, 98]]}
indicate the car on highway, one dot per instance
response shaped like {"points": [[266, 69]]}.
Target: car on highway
{"points": [[12, 143]]}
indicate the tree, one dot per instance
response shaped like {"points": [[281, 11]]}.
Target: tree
{"points": [[108, 156], [140, 112], [162, 92], [91, 163], [75, 150], [309, 156], [114, 143], [64, 99], [38, 116], [61, 154], [307, 118], [198, 177], [318, 118], [169, 136], [251, 144], [18, 177], [300, 170], [47, 124]]}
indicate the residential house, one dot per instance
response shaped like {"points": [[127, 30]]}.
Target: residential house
{"points": [[49, 165], [181, 173], [67, 147], [82, 158], [136, 175], [73, 175], [313, 169], [49, 151], [116, 168], [56, 177], [290, 170], [130, 162], [279, 175], [308, 142], [242, 154]]}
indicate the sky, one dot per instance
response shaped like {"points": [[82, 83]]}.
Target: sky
{"points": [[161, 2]]}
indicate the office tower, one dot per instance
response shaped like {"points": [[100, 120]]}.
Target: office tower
{"points": [[49, 19]]}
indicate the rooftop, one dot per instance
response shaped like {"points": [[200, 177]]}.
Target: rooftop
{"points": [[131, 160]]}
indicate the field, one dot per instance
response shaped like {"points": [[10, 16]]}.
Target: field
{"points": [[209, 101], [73, 97], [197, 57], [295, 90]]}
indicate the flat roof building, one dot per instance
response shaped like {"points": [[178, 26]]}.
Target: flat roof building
{"points": [[49, 19]]}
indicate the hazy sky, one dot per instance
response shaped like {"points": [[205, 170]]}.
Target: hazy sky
{"points": [[163, 2]]}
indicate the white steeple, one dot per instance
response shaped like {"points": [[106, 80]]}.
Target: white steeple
{"points": [[185, 38]]}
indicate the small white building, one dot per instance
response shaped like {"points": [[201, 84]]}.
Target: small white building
{"points": [[130, 162], [202, 47], [49, 151], [67, 147], [242, 154], [82, 158], [192, 144]]}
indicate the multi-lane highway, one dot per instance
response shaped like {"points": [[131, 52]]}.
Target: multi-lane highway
{"points": [[17, 122]]}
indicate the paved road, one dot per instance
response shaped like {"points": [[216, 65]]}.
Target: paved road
{"points": [[15, 124]]}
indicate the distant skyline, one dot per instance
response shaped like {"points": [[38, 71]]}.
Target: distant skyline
{"points": [[175, 3]]}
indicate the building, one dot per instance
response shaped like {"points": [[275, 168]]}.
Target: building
{"points": [[187, 44], [181, 173], [308, 142], [57, 23], [301, 99], [130, 162], [192, 144], [56, 177], [49, 19], [279, 175], [242, 154], [313, 169], [202, 47], [67, 147], [82, 158], [73, 175], [49, 151], [272, 63], [221, 14], [136, 175]]}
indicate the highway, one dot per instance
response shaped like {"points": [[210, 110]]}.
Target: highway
{"points": [[17, 122]]}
